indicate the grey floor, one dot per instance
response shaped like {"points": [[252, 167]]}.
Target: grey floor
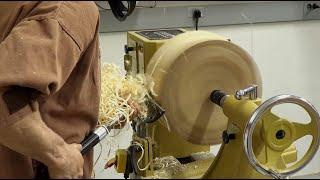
{"points": [[314, 176]]}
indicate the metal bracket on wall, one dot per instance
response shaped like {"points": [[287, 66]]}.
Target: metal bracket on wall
{"points": [[215, 14]]}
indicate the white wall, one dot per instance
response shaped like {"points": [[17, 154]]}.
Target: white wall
{"points": [[286, 53]]}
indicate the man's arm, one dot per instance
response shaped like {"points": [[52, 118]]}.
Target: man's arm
{"points": [[31, 137], [40, 53]]}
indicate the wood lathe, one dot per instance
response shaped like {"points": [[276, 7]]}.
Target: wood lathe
{"points": [[211, 91]]}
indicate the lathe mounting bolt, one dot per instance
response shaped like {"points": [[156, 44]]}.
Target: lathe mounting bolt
{"points": [[226, 137]]}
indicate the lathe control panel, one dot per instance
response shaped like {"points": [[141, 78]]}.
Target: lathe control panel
{"points": [[143, 44], [160, 34]]}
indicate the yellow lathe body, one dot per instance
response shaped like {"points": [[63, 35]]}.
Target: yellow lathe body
{"points": [[140, 50], [273, 137], [255, 142]]}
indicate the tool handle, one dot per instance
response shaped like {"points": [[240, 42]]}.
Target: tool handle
{"points": [[87, 144]]}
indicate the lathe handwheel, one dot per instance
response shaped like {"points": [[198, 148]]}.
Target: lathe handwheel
{"points": [[295, 132]]}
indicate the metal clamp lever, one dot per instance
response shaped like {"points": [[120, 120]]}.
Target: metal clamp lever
{"points": [[252, 91]]}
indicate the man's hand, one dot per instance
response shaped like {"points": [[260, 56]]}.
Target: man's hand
{"points": [[68, 164], [33, 138]]}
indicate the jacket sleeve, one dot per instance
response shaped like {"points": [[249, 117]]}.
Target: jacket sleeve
{"points": [[36, 59]]}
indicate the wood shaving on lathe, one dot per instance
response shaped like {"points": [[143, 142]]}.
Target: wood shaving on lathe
{"points": [[118, 91]]}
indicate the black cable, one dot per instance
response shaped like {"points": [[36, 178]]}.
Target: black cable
{"points": [[197, 23], [196, 15], [153, 6], [313, 6], [120, 11]]}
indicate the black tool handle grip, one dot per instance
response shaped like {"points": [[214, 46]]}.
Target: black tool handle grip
{"points": [[89, 142]]}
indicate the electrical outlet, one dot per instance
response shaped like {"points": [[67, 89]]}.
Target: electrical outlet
{"points": [[191, 10]]}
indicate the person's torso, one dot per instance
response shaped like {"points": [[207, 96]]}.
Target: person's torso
{"points": [[72, 111]]}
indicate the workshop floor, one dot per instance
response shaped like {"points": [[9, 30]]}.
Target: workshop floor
{"points": [[315, 176]]}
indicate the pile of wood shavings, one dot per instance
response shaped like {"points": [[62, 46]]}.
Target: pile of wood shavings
{"points": [[118, 92], [167, 167]]}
